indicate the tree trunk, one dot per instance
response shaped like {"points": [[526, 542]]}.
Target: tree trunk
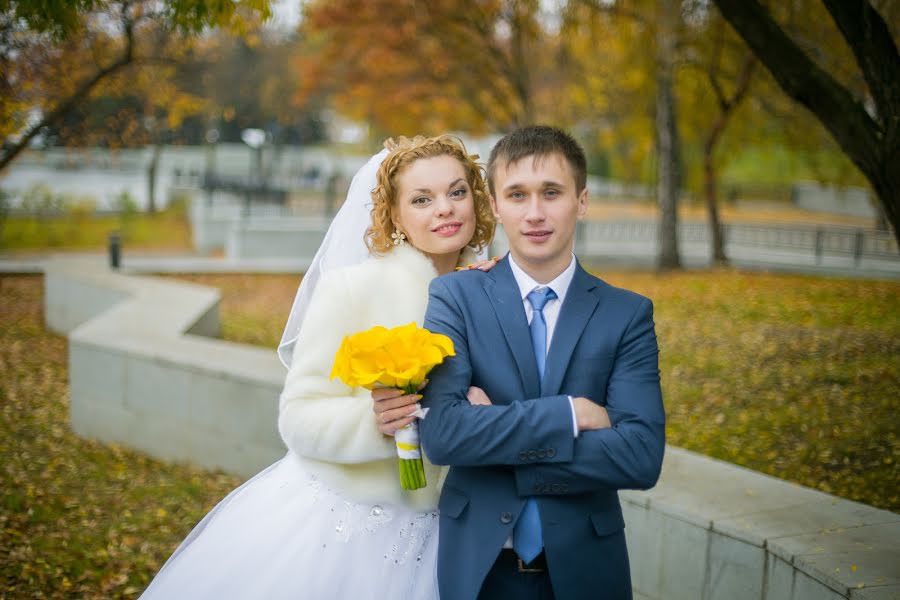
{"points": [[668, 159], [710, 192], [727, 107], [151, 177], [887, 186], [521, 75], [872, 142]]}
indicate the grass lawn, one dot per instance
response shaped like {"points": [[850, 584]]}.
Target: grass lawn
{"points": [[166, 230], [78, 519], [793, 376]]}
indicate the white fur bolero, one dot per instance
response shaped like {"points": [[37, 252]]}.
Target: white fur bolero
{"points": [[331, 426]]}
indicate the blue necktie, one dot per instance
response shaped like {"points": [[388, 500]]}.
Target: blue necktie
{"points": [[527, 538]]}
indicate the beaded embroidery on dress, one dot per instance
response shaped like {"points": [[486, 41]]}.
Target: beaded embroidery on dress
{"points": [[286, 534]]}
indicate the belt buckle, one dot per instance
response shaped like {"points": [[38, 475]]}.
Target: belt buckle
{"points": [[524, 569]]}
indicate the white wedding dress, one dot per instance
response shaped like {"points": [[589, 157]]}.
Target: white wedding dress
{"points": [[329, 520], [286, 534]]}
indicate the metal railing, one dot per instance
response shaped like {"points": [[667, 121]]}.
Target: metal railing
{"points": [[819, 241]]}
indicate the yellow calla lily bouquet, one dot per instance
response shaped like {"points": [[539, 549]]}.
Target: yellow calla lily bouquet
{"points": [[400, 358]]}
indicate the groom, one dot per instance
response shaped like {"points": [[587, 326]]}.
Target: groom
{"points": [[573, 410]]}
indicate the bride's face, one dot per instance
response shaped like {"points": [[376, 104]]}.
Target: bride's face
{"points": [[434, 205]]}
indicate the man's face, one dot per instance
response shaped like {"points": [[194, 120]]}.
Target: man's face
{"points": [[536, 201]]}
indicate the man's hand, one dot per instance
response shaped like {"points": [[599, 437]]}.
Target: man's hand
{"points": [[477, 397], [589, 415], [393, 408]]}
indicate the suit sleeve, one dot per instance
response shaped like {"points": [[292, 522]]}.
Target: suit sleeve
{"points": [[318, 417], [458, 434], [629, 454]]}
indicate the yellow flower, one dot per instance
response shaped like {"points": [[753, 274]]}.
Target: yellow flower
{"points": [[400, 357]]}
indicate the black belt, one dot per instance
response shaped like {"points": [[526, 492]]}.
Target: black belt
{"points": [[538, 565]]}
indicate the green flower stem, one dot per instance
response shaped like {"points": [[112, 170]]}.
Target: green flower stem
{"points": [[420, 468], [412, 471], [412, 474]]}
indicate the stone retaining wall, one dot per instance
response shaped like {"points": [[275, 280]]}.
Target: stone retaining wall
{"points": [[142, 373], [711, 530], [279, 237]]}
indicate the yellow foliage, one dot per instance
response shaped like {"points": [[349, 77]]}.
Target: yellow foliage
{"points": [[92, 57], [442, 66]]}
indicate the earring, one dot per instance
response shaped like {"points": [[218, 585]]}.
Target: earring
{"points": [[399, 237]]}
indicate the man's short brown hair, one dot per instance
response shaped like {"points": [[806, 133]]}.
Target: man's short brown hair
{"points": [[538, 141]]}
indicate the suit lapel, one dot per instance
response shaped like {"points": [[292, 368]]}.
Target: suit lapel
{"points": [[503, 292], [579, 305]]}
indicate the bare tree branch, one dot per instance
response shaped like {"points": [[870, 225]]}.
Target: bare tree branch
{"points": [[868, 36], [803, 79], [127, 58], [871, 142]]}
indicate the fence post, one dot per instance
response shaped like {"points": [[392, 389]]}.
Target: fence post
{"points": [[115, 250], [580, 233], [248, 198], [331, 195], [820, 239], [858, 247]]}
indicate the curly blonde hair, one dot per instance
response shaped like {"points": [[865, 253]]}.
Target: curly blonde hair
{"points": [[405, 151]]}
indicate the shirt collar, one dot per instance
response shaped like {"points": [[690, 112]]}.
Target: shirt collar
{"points": [[527, 284]]}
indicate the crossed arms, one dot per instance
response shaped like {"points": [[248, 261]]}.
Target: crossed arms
{"points": [[534, 436]]}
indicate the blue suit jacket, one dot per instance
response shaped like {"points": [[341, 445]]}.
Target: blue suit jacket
{"points": [[604, 348]]}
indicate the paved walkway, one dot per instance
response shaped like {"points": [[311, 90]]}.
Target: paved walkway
{"points": [[696, 256], [602, 256], [165, 264]]}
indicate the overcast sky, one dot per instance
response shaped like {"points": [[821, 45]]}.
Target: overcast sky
{"points": [[286, 13]]}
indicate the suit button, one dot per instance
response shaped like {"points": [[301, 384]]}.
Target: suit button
{"points": [[564, 488], [506, 518], [555, 487], [523, 455], [532, 455], [546, 489], [551, 452], [542, 454], [538, 488]]}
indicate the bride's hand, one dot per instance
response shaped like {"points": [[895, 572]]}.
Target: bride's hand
{"points": [[393, 408], [482, 265], [477, 397]]}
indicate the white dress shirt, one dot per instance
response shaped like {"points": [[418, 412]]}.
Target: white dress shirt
{"points": [[560, 286]]}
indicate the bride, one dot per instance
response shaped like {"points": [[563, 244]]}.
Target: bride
{"points": [[330, 520]]}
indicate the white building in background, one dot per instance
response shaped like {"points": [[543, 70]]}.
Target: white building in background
{"points": [[342, 130]]}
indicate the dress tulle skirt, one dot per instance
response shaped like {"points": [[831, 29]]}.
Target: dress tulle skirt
{"points": [[285, 534]]}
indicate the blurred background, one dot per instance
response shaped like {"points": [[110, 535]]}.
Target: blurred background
{"points": [[744, 172], [132, 107]]}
